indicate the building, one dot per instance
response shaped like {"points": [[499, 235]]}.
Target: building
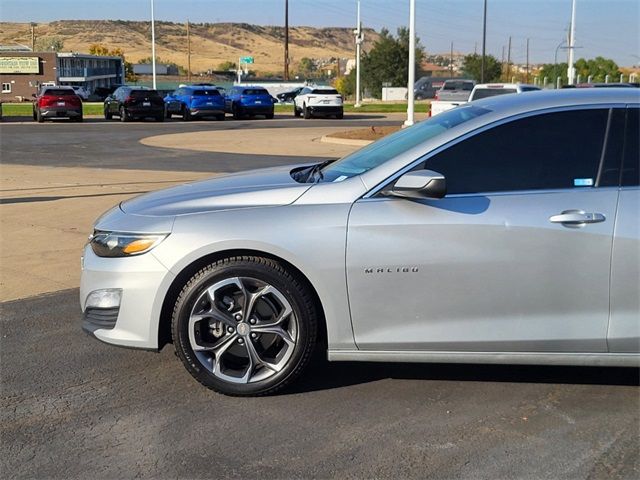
{"points": [[22, 73], [161, 69]]}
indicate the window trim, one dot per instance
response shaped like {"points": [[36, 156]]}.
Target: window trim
{"points": [[5, 90], [380, 187]]}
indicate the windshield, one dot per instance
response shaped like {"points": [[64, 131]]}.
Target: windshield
{"points": [[254, 91], [393, 145], [206, 93], [492, 92]]}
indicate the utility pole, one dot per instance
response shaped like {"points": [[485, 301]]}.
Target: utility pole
{"points": [[188, 53], [359, 39], [286, 41], [153, 47], [412, 63], [33, 37], [484, 41], [451, 62], [527, 81], [571, 71], [502, 63], [509, 60]]}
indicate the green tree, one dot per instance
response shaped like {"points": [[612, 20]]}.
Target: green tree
{"points": [[306, 68], [226, 66], [598, 68], [388, 61], [346, 84], [472, 67], [49, 44], [552, 71], [98, 49]]}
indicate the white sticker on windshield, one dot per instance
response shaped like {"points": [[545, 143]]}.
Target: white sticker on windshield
{"points": [[583, 182], [340, 178]]}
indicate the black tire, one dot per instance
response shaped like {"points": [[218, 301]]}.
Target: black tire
{"points": [[269, 116], [265, 270], [306, 112], [79, 118], [186, 114], [296, 112], [124, 116], [167, 113], [107, 114], [340, 116], [39, 117], [220, 118], [160, 117], [237, 113], [35, 116]]}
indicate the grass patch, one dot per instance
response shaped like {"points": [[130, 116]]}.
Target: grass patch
{"points": [[26, 109]]}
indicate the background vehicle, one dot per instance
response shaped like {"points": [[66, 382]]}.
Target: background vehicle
{"points": [[289, 96], [480, 91], [318, 101], [249, 101], [130, 103], [101, 93], [455, 90], [195, 101], [426, 87], [478, 216], [81, 92], [600, 85], [57, 102]]}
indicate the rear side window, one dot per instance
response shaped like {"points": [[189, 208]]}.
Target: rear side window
{"points": [[325, 91], [631, 165], [206, 93], [492, 92], [59, 91], [559, 150], [254, 91]]}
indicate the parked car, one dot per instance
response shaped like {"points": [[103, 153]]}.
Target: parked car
{"points": [[482, 235], [82, 92], [455, 90], [244, 101], [483, 90], [426, 87], [600, 85], [318, 101], [195, 101], [57, 102], [101, 93], [129, 103], [285, 97]]}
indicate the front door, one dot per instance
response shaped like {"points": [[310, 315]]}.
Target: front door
{"points": [[515, 259]]}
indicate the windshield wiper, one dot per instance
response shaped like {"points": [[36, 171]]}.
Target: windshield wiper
{"points": [[317, 170]]}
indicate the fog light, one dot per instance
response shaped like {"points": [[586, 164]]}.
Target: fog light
{"points": [[108, 298]]}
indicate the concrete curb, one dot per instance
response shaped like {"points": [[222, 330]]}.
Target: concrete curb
{"points": [[345, 141]]}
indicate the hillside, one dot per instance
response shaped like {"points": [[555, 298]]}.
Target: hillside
{"points": [[211, 44]]}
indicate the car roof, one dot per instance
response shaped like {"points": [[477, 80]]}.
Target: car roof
{"points": [[504, 85]]}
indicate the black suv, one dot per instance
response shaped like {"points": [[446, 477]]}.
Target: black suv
{"points": [[129, 103]]}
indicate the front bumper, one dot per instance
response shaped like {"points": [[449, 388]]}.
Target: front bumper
{"points": [[144, 282]]}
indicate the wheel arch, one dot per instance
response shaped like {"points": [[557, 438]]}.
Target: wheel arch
{"points": [[164, 324]]}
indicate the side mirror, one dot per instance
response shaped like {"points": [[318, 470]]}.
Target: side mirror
{"points": [[420, 184]]}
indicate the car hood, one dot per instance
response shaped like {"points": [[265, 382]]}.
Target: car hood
{"points": [[257, 188]]}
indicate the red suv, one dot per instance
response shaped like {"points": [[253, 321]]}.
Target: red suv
{"points": [[56, 102]]}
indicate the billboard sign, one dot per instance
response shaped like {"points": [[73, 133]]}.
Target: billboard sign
{"points": [[19, 65]]}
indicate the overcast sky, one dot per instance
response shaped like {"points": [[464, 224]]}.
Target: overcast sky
{"points": [[609, 28]]}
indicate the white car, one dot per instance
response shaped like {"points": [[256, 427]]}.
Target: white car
{"points": [[82, 92], [479, 92], [318, 101]]}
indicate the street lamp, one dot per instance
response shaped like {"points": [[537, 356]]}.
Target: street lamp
{"points": [[555, 57], [412, 64], [153, 47], [359, 39]]}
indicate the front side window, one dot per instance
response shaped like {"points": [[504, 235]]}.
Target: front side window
{"points": [[559, 150]]}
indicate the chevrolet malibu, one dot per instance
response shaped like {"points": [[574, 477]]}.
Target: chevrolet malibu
{"points": [[503, 231]]}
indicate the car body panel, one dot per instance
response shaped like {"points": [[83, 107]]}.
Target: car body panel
{"points": [[197, 100], [242, 100]]}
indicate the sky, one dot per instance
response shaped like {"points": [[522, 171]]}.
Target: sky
{"points": [[609, 28]]}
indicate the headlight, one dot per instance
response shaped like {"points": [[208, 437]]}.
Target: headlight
{"points": [[115, 244]]}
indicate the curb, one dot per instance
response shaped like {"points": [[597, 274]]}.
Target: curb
{"points": [[345, 141]]}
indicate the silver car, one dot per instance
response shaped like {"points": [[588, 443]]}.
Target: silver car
{"points": [[503, 231]]}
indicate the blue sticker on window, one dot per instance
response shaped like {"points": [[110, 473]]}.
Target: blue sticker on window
{"points": [[583, 182]]}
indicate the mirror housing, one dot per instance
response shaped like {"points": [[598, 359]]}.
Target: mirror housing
{"points": [[420, 184]]}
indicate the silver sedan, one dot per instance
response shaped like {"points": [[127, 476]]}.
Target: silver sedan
{"points": [[502, 231]]}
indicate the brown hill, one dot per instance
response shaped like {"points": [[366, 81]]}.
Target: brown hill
{"points": [[211, 43]]}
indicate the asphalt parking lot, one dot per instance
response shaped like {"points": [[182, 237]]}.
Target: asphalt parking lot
{"points": [[75, 408]]}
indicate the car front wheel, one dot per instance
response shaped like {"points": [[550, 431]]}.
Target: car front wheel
{"points": [[244, 326]]}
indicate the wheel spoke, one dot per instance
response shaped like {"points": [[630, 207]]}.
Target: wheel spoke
{"points": [[219, 349], [276, 330], [281, 317], [252, 298]]}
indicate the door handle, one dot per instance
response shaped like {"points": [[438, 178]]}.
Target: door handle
{"points": [[576, 218]]}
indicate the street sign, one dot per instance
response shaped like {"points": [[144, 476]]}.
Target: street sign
{"points": [[246, 59]]}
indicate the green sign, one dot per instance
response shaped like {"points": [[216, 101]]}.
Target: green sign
{"points": [[246, 59], [19, 65]]}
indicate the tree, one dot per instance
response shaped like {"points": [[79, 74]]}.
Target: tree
{"points": [[552, 71], [346, 84], [227, 66], [49, 44], [388, 61], [97, 49], [472, 67], [101, 50], [598, 68], [306, 68]]}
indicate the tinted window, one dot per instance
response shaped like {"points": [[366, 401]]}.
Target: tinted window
{"points": [[549, 151], [254, 91], [143, 93], [491, 92], [325, 91], [206, 93], [59, 91], [529, 89], [631, 166]]}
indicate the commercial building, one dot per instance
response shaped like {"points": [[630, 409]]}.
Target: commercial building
{"points": [[161, 69], [22, 73]]}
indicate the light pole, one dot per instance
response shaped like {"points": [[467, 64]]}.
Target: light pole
{"points": [[484, 41], [555, 57], [359, 38], [571, 71], [153, 47], [412, 63]]}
